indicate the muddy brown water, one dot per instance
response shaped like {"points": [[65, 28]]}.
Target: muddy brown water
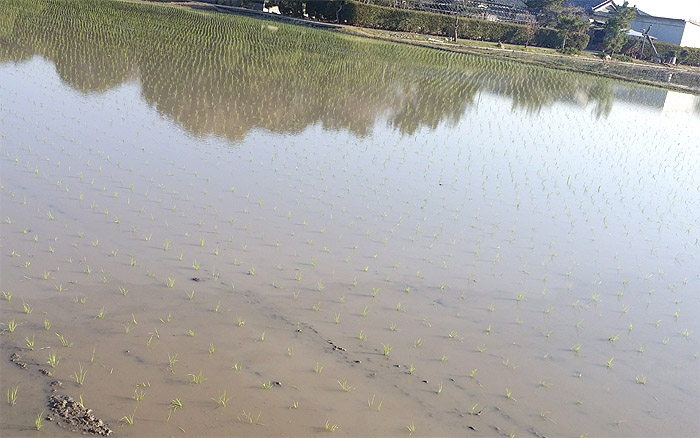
{"points": [[529, 264]]}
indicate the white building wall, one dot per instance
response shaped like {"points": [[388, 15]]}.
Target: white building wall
{"points": [[664, 29], [691, 36]]}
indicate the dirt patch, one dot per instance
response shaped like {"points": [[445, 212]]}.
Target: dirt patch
{"points": [[15, 359], [69, 413], [66, 411]]}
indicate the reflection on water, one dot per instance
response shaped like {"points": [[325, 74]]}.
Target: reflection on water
{"points": [[528, 257], [228, 75]]}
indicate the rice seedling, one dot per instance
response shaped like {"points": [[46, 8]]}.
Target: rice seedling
{"points": [[387, 349], [331, 427], [642, 380], [473, 410], [29, 342], [27, 308], [170, 283], [7, 296], [454, 335], [318, 369], [344, 386], [545, 416], [53, 360], [197, 378], [63, 340], [79, 376], [12, 326], [411, 428], [222, 399], [139, 394], [174, 406], [38, 422], [247, 417], [12, 396]]}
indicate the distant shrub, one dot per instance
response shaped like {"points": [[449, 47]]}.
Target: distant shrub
{"points": [[380, 17], [684, 55], [324, 10], [623, 58], [292, 8]]}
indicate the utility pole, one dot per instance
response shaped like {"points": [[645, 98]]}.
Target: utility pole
{"points": [[646, 36], [456, 19]]}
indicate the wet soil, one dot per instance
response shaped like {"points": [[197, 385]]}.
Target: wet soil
{"points": [[63, 409]]}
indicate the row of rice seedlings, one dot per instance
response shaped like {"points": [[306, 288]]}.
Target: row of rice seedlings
{"points": [[363, 268]]}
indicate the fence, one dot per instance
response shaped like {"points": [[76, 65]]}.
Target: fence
{"points": [[483, 10]]}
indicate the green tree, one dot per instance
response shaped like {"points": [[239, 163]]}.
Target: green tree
{"points": [[541, 5], [530, 29], [568, 25], [547, 11], [616, 28]]}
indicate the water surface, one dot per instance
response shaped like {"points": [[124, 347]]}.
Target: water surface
{"points": [[521, 242]]}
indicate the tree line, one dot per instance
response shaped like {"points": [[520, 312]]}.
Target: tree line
{"points": [[570, 21]]}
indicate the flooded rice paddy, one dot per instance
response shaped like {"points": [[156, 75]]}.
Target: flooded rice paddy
{"points": [[214, 225]]}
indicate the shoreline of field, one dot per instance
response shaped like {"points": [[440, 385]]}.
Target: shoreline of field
{"points": [[548, 58]]}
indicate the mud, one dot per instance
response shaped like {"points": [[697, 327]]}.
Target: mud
{"points": [[64, 410], [70, 414], [15, 359]]}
